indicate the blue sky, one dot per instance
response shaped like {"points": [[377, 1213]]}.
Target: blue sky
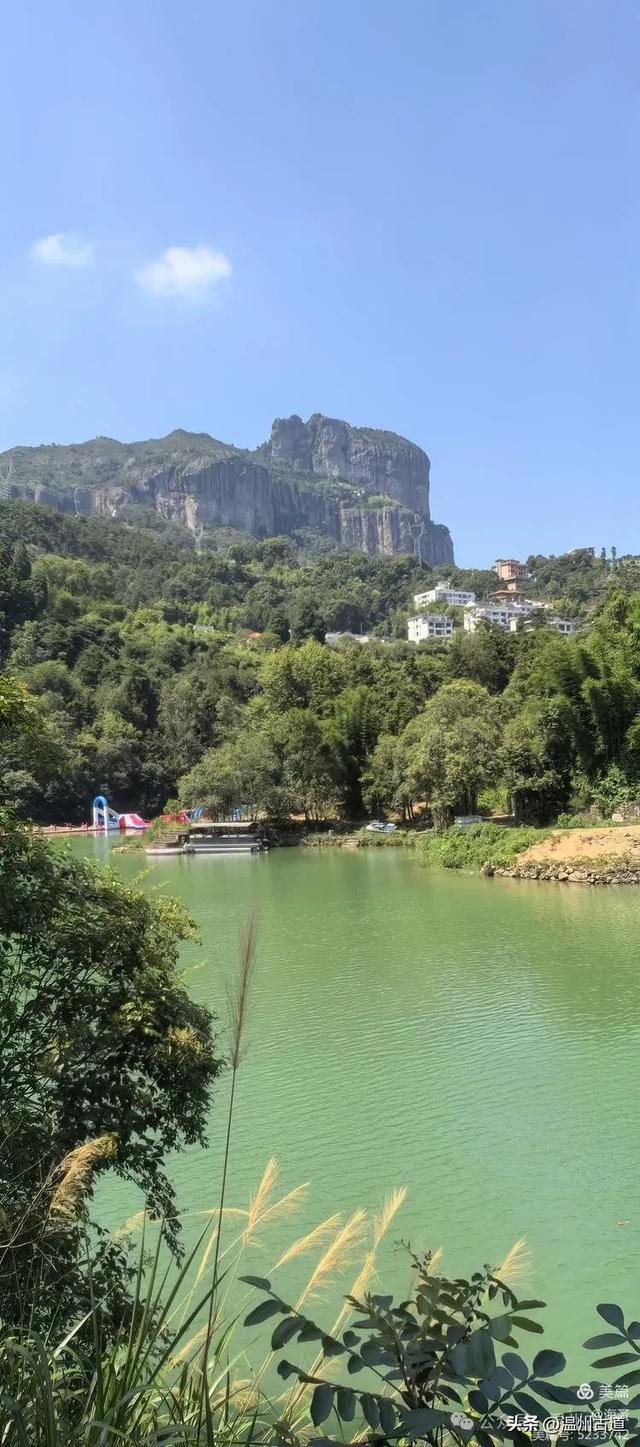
{"points": [[415, 214]]}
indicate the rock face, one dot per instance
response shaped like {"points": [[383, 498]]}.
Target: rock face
{"points": [[367, 490], [382, 462]]}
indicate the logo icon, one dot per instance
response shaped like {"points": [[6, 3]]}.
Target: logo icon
{"points": [[585, 1392]]}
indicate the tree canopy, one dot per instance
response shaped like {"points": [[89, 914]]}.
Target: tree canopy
{"points": [[157, 673], [105, 1061]]}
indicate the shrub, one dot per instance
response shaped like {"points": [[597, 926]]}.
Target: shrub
{"points": [[478, 844]]}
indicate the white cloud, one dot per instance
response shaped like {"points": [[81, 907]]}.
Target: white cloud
{"points": [[189, 271], [62, 249]]}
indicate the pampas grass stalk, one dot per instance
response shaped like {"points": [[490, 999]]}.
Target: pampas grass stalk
{"points": [[238, 1003]]}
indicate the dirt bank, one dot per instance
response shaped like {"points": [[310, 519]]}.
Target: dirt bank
{"points": [[568, 845]]}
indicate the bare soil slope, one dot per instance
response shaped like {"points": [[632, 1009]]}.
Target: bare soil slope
{"points": [[571, 844]]}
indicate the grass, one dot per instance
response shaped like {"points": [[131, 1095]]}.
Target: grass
{"points": [[180, 1366], [479, 844]]}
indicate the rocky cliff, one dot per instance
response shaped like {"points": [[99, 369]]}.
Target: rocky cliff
{"points": [[367, 490], [380, 462]]}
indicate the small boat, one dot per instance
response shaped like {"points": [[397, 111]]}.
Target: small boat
{"points": [[221, 837]]}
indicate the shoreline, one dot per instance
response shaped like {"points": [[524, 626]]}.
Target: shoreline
{"points": [[461, 851], [571, 872]]}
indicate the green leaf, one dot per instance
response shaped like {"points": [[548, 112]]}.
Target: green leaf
{"points": [[630, 1379], [611, 1313], [618, 1359], [310, 1332], [530, 1305], [373, 1354], [420, 1421], [259, 1281], [331, 1347], [479, 1401], [548, 1364], [527, 1403], [500, 1327], [346, 1403], [355, 1364], [633, 1329], [371, 1410], [525, 1324], [321, 1403], [263, 1312], [284, 1332], [605, 1339], [482, 1359], [515, 1365], [387, 1417], [459, 1360], [286, 1369], [493, 1385], [554, 1393]]}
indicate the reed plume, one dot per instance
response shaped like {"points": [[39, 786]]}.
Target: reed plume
{"points": [[289, 1202], [258, 1202], [239, 992], [381, 1224], [74, 1175], [517, 1264], [312, 1238], [336, 1255]]}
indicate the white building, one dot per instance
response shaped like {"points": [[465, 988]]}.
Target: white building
{"points": [[429, 625], [563, 626], [496, 613], [444, 593]]}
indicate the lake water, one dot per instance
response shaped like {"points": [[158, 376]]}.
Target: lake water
{"points": [[474, 1040]]}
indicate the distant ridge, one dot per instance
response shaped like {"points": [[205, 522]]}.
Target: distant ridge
{"points": [[362, 488]]}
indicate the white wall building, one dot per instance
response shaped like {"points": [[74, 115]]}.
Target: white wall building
{"points": [[444, 593], [560, 625], [429, 625], [496, 613]]}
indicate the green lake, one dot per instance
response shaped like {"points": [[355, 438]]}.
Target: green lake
{"points": [[477, 1041]]}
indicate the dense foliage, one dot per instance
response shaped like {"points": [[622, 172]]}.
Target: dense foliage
{"points": [[105, 1061], [433, 1367], [442, 1366], [158, 673]]}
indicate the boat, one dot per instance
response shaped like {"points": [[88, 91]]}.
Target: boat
{"points": [[219, 837]]}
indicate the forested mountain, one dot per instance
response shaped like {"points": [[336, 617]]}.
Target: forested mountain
{"points": [[158, 672], [319, 481]]}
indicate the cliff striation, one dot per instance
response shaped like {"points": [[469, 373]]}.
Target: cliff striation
{"points": [[365, 489]]}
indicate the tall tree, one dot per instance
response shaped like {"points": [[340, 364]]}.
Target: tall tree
{"points": [[105, 1063]]}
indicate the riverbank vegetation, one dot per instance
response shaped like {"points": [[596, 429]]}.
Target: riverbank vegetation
{"points": [[162, 676], [105, 1063], [477, 845]]}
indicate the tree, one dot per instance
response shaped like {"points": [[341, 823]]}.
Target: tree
{"points": [[452, 749], [244, 771], [353, 731], [310, 771], [306, 621], [384, 779], [486, 656], [536, 760], [105, 1062]]}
